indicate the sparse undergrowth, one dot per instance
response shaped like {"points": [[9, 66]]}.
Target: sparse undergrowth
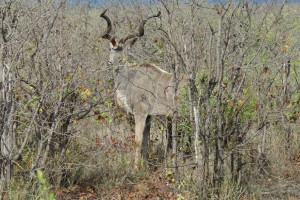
{"points": [[109, 174]]}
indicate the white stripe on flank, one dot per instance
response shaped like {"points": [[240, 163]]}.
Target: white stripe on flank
{"points": [[158, 68]]}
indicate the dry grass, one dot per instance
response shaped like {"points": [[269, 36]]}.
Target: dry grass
{"points": [[104, 159]]}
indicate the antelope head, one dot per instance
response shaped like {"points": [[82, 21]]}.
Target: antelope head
{"points": [[117, 46]]}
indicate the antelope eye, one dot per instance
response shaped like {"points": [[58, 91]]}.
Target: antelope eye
{"points": [[118, 48]]}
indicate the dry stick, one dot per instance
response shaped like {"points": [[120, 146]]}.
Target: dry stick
{"points": [[17, 156], [218, 136]]}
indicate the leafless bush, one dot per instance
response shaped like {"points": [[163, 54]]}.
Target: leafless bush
{"points": [[51, 79]]}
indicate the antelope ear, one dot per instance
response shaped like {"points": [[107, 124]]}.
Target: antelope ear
{"points": [[113, 43]]}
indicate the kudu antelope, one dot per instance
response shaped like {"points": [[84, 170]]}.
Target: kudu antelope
{"points": [[142, 90]]}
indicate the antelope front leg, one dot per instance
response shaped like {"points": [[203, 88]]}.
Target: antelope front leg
{"points": [[140, 123], [146, 139]]}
